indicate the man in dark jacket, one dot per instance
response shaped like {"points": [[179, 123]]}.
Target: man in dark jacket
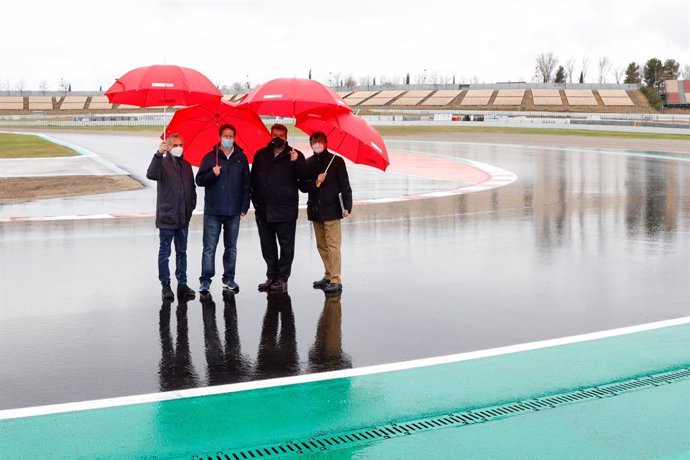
{"points": [[224, 172], [276, 173], [175, 201], [330, 200]]}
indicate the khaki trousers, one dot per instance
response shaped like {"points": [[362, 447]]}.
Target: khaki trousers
{"points": [[328, 240]]}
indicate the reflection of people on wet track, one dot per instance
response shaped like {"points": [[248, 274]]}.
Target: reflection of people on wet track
{"points": [[224, 364], [330, 200], [326, 354], [276, 172], [176, 370], [277, 355], [224, 172], [175, 201]]}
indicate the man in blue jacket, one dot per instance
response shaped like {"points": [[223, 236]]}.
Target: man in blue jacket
{"points": [[224, 172], [175, 201]]}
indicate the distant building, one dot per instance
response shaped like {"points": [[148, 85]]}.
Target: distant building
{"points": [[676, 93]]}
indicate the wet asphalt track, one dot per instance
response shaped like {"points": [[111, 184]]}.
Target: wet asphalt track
{"points": [[583, 241]]}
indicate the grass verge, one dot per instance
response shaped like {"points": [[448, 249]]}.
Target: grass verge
{"points": [[28, 146], [19, 189]]}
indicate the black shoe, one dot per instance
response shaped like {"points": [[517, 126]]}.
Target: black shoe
{"points": [[265, 286], [185, 292], [278, 286], [322, 283], [167, 293], [333, 288]]}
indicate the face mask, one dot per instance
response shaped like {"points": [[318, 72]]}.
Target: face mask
{"points": [[277, 143], [317, 148], [176, 152], [227, 143]]}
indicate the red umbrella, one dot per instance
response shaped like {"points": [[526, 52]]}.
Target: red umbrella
{"points": [[198, 125], [288, 97], [162, 85], [348, 135]]}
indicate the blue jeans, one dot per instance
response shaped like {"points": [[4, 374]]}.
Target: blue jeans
{"points": [[231, 229], [166, 236]]}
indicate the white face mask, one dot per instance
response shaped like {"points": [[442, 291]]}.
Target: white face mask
{"points": [[176, 152], [317, 148]]}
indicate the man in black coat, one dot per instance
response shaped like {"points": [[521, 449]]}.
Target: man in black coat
{"points": [[224, 172], [276, 173], [175, 201], [330, 200]]}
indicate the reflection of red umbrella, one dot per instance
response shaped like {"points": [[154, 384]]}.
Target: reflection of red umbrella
{"points": [[162, 85], [348, 135], [198, 126], [287, 97]]}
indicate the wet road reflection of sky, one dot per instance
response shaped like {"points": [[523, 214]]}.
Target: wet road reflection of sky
{"points": [[582, 241]]}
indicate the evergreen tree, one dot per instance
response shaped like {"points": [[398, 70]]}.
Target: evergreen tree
{"points": [[582, 77], [653, 73], [560, 75], [632, 74]]}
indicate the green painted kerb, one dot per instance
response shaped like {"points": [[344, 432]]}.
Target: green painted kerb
{"points": [[182, 428]]}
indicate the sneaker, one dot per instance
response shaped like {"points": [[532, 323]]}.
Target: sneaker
{"points": [[204, 289], [333, 288], [278, 286], [266, 284], [167, 293], [185, 292], [231, 286], [322, 283]]}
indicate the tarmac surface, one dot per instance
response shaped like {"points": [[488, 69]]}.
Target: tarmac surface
{"points": [[584, 240]]}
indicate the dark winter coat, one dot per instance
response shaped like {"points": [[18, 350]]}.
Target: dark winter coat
{"points": [[228, 193], [275, 184], [324, 202], [176, 192]]}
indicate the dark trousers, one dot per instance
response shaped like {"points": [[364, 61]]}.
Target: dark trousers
{"points": [[212, 228], [166, 236], [272, 234]]}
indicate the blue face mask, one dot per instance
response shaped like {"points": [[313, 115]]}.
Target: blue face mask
{"points": [[227, 143]]}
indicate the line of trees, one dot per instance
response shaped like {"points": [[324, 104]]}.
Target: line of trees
{"points": [[654, 72]]}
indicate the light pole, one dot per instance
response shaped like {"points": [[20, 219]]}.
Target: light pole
{"points": [[247, 81]]}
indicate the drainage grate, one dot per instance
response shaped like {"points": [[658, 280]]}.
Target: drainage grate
{"points": [[456, 419]]}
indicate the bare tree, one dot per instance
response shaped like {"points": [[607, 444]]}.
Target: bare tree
{"points": [[686, 72], [420, 79], [63, 86], [350, 82], [585, 68], [434, 78], [604, 67], [570, 69], [364, 80], [474, 80], [43, 86], [19, 86], [6, 86], [546, 64], [618, 74]]}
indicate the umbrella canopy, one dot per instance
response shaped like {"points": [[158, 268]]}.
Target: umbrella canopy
{"points": [[162, 85], [198, 126], [348, 135], [288, 97]]}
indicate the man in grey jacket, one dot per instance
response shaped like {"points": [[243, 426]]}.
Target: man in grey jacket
{"points": [[175, 201]]}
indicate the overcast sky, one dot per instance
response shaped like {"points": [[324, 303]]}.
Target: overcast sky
{"points": [[90, 43]]}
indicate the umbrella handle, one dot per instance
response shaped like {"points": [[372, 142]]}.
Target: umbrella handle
{"points": [[329, 163], [164, 124]]}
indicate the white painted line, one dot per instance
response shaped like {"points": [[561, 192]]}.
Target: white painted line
{"points": [[345, 373]]}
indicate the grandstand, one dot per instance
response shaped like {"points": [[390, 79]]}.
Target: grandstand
{"points": [[73, 103], [676, 93], [11, 103], [477, 97]]}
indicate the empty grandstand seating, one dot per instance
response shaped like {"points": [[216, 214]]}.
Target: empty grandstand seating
{"points": [[615, 97], [509, 97], [546, 97], [477, 97], [358, 97], [442, 97], [100, 103], [382, 98], [344, 94], [413, 97], [40, 103], [580, 97], [73, 103], [11, 103]]}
